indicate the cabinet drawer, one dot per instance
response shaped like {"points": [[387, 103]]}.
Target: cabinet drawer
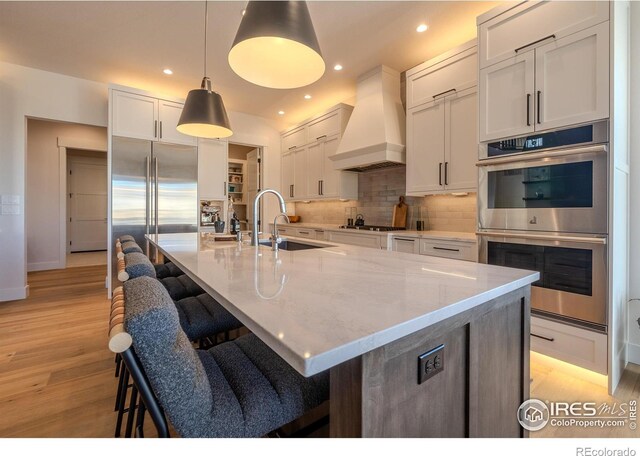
{"points": [[577, 346], [406, 245], [305, 233], [285, 231], [457, 72], [294, 138], [529, 22], [362, 240], [449, 249], [324, 126]]}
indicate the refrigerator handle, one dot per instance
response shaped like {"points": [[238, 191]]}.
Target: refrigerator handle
{"points": [[147, 217], [155, 209]]}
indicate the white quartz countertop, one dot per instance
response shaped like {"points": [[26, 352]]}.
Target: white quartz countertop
{"points": [[320, 307], [429, 234]]}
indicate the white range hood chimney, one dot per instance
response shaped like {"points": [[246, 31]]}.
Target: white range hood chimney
{"points": [[375, 135]]}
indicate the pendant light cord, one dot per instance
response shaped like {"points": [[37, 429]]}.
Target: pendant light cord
{"points": [[206, 20]]}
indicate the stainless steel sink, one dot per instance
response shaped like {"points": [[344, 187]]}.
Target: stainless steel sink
{"points": [[287, 244]]}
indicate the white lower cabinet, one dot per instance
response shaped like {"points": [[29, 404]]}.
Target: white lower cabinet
{"points": [[456, 250], [568, 343], [362, 240], [406, 245]]}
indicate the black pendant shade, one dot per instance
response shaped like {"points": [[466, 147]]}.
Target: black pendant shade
{"points": [[276, 45], [204, 114]]}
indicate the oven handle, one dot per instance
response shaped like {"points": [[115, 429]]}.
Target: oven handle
{"points": [[546, 237], [536, 156]]}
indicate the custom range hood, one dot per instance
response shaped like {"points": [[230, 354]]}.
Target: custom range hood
{"points": [[375, 135]]}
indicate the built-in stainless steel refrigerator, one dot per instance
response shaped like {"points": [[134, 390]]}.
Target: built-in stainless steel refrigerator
{"points": [[154, 190]]}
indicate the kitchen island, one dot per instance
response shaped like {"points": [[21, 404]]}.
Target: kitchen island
{"points": [[416, 346]]}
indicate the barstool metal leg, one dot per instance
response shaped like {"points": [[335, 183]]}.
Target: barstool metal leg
{"points": [[123, 399], [133, 404]]}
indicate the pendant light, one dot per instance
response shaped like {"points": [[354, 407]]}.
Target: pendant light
{"points": [[203, 114], [276, 45]]}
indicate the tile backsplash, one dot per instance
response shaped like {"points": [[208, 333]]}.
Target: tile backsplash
{"points": [[378, 192]]}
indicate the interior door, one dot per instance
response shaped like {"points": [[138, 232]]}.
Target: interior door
{"points": [[572, 79], [315, 160], [461, 142], [88, 204], [169, 115], [330, 176], [176, 188], [425, 143], [506, 97]]}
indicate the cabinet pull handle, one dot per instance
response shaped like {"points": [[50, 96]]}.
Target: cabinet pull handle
{"points": [[444, 93], [446, 173], [535, 42], [319, 191], [303, 232], [439, 173], [160, 129], [155, 128], [448, 250], [528, 110], [322, 187], [550, 339], [538, 105], [225, 188], [292, 190], [320, 137], [292, 147]]}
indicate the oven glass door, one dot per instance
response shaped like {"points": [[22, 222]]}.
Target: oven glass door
{"points": [[572, 282], [547, 192]]}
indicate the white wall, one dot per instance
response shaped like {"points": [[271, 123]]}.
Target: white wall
{"points": [[28, 92], [634, 197], [42, 203]]}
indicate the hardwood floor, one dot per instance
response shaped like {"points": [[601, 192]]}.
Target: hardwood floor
{"points": [[57, 374]]}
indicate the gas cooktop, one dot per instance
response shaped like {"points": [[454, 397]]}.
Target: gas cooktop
{"points": [[372, 228]]}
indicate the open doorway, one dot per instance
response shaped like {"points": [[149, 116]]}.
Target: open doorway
{"points": [[244, 182], [51, 147]]}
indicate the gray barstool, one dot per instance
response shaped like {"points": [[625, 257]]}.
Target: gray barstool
{"points": [[235, 389]]}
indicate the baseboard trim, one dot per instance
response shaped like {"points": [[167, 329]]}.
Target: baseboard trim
{"points": [[14, 294], [633, 353], [44, 266]]}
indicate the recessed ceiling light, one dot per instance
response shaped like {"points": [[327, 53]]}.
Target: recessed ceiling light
{"points": [[167, 71], [338, 67], [307, 97], [422, 28], [281, 113]]}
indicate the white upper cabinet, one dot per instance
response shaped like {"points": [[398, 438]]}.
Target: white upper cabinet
{"points": [[507, 97], [572, 79], [506, 29], [456, 69], [543, 65], [134, 116], [168, 117], [307, 171], [144, 117], [287, 175], [442, 139], [461, 141], [212, 169], [425, 148]]}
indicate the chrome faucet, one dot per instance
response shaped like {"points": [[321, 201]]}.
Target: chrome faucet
{"points": [[255, 236], [275, 238]]}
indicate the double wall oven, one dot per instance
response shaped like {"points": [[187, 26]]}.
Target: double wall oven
{"points": [[543, 206]]}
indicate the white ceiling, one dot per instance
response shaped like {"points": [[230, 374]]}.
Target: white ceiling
{"points": [[129, 43]]}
